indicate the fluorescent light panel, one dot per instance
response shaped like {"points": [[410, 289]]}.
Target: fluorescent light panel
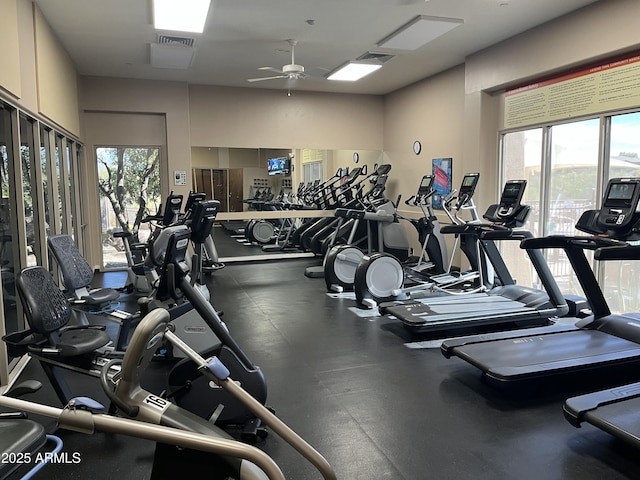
{"points": [[353, 71], [180, 15], [418, 32]]}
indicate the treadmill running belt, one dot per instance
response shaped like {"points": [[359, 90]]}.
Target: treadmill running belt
{"points": [[527, 357], [460, 310], [620, 419]]}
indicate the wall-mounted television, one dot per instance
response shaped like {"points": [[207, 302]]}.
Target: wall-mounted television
{"points": [[279, 166]]}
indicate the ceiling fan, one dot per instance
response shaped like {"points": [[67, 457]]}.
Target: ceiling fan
{"points": [[291, 71]]}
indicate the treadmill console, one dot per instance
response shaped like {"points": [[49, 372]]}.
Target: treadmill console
{"points": [[620, 202], [618, 216], [510, 212], [468, 188], [511, 197]]}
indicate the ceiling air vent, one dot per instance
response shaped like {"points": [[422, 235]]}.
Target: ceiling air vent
{"points": [[177, 41], [172, 52], [380, 57]]}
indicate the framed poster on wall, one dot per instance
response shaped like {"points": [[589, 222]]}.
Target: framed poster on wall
{"points": [[441, 171]]}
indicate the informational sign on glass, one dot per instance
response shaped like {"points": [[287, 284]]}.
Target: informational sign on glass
{"points": [[606, 87]]}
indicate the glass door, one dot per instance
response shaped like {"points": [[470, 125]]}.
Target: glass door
{"points": [[129, 188]]}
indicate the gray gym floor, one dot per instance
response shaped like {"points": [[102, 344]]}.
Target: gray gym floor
{"points": [[375, 408]]}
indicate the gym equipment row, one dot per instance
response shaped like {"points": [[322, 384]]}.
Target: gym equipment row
{"points": [[602, 347], [165, 324]]}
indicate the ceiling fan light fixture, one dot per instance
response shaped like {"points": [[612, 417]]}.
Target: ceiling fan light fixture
{"points": [[353, 71], [180, 15]]}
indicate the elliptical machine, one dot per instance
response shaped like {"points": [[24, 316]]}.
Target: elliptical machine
{"points": [[383, 234], [381, 277], [376, 270]]}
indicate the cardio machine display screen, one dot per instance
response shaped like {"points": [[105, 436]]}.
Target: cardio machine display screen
{"points": [[426, 184], [621, 192], [512, 192], [469, 183]]}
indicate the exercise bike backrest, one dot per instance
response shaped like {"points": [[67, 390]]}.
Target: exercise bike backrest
{"points": [[172, 209], [202, 220], [193, 199]]}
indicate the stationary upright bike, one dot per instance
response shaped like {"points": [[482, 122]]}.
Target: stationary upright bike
{"points": [[187, 387]]}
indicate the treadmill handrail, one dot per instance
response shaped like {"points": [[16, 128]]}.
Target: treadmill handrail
{"points": [[564, 241], [618, 252], [574, 247]]}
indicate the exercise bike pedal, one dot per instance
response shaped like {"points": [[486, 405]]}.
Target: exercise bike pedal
{"points": [[253, 431]]}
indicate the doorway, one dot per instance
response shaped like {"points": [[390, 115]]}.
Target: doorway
{"points": [[224, 185]]}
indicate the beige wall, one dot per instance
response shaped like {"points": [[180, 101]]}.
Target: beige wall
{"points": [[56, 77], [26, 31], [599, 30], [168, 99], [459, 113], [432, 112], [247, 117], [10, 71], [37, 74]]}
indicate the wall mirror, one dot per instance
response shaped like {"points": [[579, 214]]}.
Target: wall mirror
{"points": [[240, 178]]}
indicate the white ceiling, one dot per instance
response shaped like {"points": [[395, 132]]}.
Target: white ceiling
{"points": [[112, 38]]}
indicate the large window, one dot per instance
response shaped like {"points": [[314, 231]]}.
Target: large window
{"points": [[35, 201], [30, 188], [129, 185], [9, 258], [620, 278], [312, 161], [566, 174], [524, 153]]}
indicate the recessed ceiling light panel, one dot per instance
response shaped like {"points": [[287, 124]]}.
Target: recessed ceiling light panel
{"points": [[353, 71], [180, 15], [418, 32]]}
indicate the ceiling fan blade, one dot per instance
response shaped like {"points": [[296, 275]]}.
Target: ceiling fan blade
{"points": [[270, 69], [260, 79]]}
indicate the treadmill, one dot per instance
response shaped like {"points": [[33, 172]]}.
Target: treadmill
{"points": [[600, 346], [506, 303]]}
